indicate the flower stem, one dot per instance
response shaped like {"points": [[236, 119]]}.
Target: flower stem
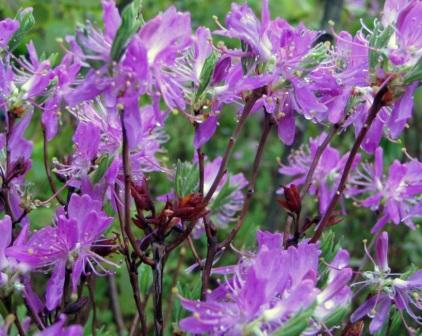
{"points": [[376, 106], [229, 149]]}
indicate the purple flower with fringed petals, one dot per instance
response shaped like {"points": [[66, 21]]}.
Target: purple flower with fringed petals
{"points": [[67, 245], [258, 296], [243, 24], [66, 75], [397, 194], [391, 290], [406, 43], [98, 136], [327, 173], [336, 293]]}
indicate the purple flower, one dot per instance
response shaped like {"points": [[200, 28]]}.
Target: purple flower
{"points": [[7, 28], [99, 135], [258, 296], [67, 245], [406, 43], [245, 26], [327, 173], [397, 194], [403, 293]]}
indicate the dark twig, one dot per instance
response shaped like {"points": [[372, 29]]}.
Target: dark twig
{"points": [[133, 273], [91, 290], [175, 274], [159, 252], [222, 169], [376, 106], [201, 170], [213, 245], [115, 306], [48, 168], [321, 148], [251, 184], [126, 201]]}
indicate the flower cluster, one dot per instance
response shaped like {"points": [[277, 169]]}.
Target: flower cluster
{"points": [[114, 94], [267, 288]]}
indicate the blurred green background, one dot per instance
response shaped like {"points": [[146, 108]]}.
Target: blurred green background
{"points": [[55, 19]]}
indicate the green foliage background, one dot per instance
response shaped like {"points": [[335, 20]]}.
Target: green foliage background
{"points": [[57, 18]]}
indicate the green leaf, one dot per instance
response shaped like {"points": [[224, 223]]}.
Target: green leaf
{"points": [[145, 278], [104, 163], [379, 40], [396, 326], [187, 178], [337, 317], [329, 248], [206, 73], [297, 324], [223, 196], [384, 330], [132, 20], [26, 22]]}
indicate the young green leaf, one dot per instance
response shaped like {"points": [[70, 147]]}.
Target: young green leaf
{"points": [[187, 178], [104, 163], [206, 73], [132, 20], [26, 22], [297, 324]]}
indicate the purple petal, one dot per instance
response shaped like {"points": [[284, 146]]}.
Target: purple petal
{"points": [[383, 308], [7, 28], [381, 252], [111, 18], [54, 292], [205, 131], [5, 238]]}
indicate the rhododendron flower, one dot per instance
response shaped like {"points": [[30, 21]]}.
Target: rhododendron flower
{"points": [[405, 44], [67, 245], [327, 172], [390, 290], [266, 289], [98, 137], [397, 195]]}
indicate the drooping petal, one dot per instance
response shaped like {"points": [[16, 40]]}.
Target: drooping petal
{"points": [[205, 131], [54, 292], [381, 252]]}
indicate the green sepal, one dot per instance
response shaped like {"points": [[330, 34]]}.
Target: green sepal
{"points": [[337, 317]]}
